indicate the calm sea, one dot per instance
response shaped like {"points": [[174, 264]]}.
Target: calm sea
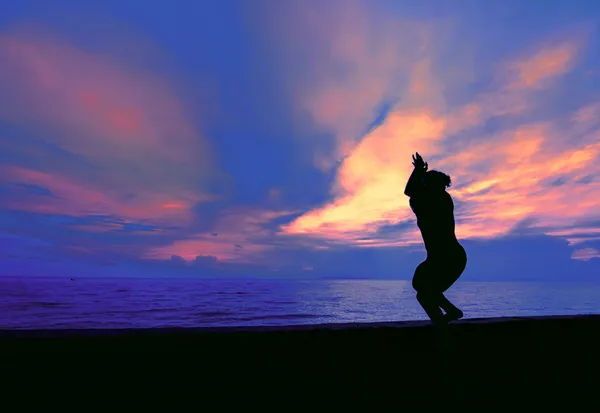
{"points": [[125, 303]]}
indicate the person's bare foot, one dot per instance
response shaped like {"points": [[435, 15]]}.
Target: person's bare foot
{"points": [[453, 315]]}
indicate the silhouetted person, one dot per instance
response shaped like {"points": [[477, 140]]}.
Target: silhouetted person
{"points": [[446, 258]]}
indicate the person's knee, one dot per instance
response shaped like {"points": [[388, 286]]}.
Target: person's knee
{"points": [[417, 283], [425, 285], [422, 282], [419, 280]]}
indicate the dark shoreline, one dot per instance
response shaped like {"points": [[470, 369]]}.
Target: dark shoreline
{"points": [[39, 333], [513, 361], [415, 334]]}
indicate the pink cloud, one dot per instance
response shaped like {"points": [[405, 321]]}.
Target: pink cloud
{"points": [[73, 197], [238, 235], [520, 169], [101, 103], [585, 254], [145, 151]]}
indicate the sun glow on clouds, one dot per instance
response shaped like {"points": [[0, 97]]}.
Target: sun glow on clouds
{"points": [[529, 169], [369, 189]]}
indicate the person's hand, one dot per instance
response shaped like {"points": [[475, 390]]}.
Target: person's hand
{"points": [[419, 163]]}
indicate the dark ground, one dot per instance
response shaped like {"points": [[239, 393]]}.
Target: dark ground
{"points": [[540, 363]]}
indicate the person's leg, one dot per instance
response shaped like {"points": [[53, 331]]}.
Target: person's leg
{"points": [[452, 312], [430, 280], [423, 283], [449, 272], [430, 303]]}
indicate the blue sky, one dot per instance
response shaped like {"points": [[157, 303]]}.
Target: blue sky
{"points": [[274, 138]]}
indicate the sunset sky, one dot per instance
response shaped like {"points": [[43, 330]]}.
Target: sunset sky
{"points": [[266, 138]]}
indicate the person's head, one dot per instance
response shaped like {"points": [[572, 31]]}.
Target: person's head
{"points": [[436, 181]]}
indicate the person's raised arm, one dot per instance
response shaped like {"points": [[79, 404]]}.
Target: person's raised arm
{"points": [[414, 182]]}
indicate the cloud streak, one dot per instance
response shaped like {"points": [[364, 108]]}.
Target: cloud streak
{"points": [[241, 235]]}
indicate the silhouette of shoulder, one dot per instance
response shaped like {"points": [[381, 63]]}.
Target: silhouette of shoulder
{"points": [[436, 199]]}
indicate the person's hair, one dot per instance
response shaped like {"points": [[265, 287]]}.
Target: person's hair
{"points": [[440, 178]]}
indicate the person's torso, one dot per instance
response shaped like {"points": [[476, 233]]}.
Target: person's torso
{"points": [[435, 219]]}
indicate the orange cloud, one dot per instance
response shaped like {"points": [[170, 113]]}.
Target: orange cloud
{"points": [[547, 63], [369, 188], [500, 180]]}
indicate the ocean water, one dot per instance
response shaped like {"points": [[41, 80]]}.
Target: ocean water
{"points": [[50, 303]]}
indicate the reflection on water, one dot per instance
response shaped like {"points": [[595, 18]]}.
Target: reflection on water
{"points": [[123, 303]]}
